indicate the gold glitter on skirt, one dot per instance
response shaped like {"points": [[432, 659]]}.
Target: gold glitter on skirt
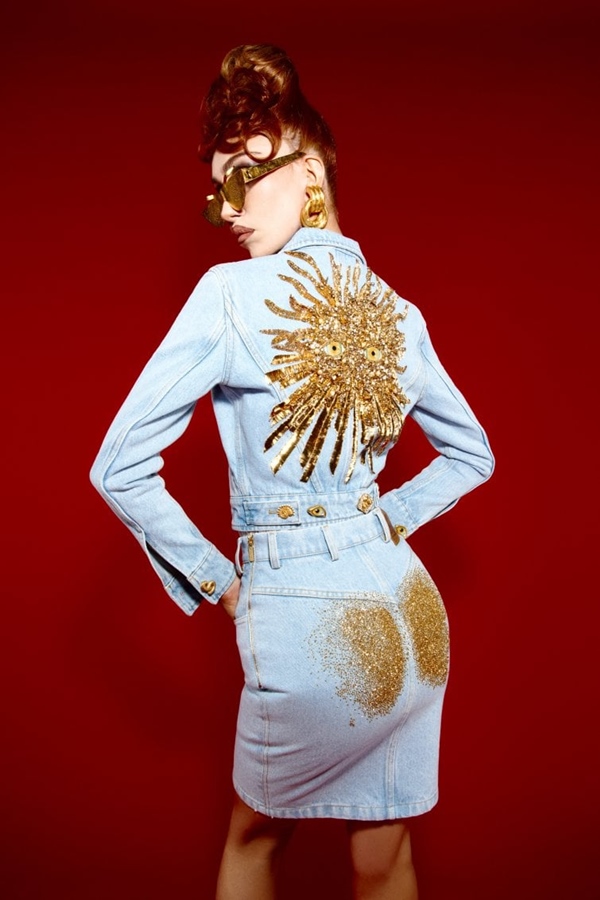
{"points": [[425, 616], [361, 644]]}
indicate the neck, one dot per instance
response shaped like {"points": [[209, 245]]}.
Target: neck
{"points": [[333, 224]]}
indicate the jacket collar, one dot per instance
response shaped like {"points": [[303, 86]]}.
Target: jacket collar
{"points": [[316, 237]]}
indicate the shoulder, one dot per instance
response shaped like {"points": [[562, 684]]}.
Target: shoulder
{"points": [[243, 278], [413, 320]]}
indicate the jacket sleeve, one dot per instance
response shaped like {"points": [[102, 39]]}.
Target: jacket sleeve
{"points": [[464, 457], [192, 358]]}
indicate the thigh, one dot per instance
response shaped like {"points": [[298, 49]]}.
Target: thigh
{"points": [[376, 847], [247, 826]]}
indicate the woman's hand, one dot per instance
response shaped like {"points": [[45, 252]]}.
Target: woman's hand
{"points": [[229, 599]]}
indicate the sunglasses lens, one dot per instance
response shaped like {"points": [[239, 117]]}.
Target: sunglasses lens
{"points": [[234, 190], [212, 212]]}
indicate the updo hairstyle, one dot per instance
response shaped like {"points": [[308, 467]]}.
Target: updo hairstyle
{"points": [[258, 92]]}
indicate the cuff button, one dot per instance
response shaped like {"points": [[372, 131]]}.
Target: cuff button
{"points": [[208, 587]]}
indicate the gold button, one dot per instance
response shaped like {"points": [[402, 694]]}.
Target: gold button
{"points": [[365, 503], [402, 530], [284, 512], [319, 512], [208, 587]]}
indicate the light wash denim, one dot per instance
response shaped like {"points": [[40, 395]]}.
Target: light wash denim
{"points": [[217, 344], [342, 634]]}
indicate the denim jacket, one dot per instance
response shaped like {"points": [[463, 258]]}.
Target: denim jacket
{"points": [[313, 363]]}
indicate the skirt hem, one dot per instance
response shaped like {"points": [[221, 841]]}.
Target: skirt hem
{"points": [[351, 811]]}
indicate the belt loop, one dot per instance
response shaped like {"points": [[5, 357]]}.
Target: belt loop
{"points": [[331, 545], [273, 554], [237, 559], [384, 523]]}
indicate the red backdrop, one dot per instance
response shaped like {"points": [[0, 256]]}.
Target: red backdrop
{"points": [[468, 151]]}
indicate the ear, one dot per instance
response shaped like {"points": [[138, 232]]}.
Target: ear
{"points": [[315, 170]]}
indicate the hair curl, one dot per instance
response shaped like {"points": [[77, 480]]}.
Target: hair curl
{"points": [[258, 92]]}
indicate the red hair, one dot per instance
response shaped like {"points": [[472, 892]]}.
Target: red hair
{"points": [[258, 92]]}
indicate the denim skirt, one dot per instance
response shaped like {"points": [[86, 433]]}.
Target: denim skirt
{"points": [[343, 639]]}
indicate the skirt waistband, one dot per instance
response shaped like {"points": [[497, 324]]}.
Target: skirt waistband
{"points": [[316, 540], [254, 513]]}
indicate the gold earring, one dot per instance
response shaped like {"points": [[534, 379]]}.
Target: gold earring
{"points": [[314, 212]]}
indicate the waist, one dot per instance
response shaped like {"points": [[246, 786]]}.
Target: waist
{"points": [[288, 511], [314, 540]]}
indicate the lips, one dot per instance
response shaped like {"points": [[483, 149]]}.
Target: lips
{"points": [[241, 233]]}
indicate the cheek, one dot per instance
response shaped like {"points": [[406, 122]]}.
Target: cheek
{"points": [[278, 201], [292, 202], [288, 191]]}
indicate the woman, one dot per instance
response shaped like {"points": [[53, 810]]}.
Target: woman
{"points": [[313, 363]]}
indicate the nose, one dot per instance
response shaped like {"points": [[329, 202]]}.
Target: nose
{"points": [[229, 213]]}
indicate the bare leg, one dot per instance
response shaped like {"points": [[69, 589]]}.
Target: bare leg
{"points": [[253, 847], [382, 861]]}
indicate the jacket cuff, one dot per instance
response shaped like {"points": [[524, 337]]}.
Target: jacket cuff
{"points": [[213, 577], [399, 514]]}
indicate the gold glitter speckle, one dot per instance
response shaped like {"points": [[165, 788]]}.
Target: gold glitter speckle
{"points": [[347, 356], [425, 617], [359, 642]]}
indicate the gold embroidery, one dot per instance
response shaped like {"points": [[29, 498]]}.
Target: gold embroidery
{"points": [[359, 642], [425, 617], [347, 357]]}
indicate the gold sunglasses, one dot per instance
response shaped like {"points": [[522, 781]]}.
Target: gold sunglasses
{"points": [[233, 189]]}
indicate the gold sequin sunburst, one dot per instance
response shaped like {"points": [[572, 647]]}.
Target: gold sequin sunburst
{"points": [[346, 354]]}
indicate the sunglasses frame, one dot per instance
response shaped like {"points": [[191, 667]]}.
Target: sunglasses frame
{"points": [[233, 189]]}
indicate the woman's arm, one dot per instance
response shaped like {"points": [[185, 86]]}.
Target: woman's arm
{"points": [[193, 357], [464, 461]]}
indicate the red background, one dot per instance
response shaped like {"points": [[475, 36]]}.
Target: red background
{"points": [[468, 152]]}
